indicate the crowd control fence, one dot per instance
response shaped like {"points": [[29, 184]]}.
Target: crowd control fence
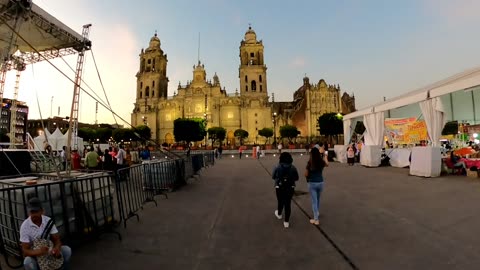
{"points": [[85, 205]]}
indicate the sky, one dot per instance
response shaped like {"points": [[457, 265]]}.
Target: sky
{"points": [[373, 49]]}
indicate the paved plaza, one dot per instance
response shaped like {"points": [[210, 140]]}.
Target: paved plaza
{"points": [[371, 218]]}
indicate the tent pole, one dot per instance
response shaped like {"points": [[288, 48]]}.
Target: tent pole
{"points": [[451, 105], [473, 108]]}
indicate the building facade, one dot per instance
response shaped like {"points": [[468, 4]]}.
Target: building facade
{"points": [[21, 119], [249, 109]]}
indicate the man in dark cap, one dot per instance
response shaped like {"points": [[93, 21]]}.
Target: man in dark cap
{"points": [[31, 229]]}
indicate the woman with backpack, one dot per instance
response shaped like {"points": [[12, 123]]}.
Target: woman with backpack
{"points": [[314, 174], [285, 175]]}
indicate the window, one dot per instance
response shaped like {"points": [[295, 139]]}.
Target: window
{"points": [[254, 86], [252, 54], [147, 91], [255, 114], [141, 94], [260, 78], [256, 122], [141, 85], [256, 129], [261, 88], [153, 93], [246, 88], [246, 78], [149, 61], [153, 84]]}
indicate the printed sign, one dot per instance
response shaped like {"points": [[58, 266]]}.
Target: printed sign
{"points": [[406, 130]]}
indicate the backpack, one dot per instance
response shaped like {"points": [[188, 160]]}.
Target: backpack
{"points": [[285, 180]]}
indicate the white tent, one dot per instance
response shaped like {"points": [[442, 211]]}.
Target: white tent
{"points": [[40, 140], [64, 139], [453, 92], [454, 98]]}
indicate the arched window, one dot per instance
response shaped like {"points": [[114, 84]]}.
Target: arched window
{"points": [[153, 84], [141, 85], [149, 61], [147, 91], [260, 78], [246, 78], [261, 88], [153, 93], [254, 86], [246, 88], [153, 64], [141, 94], [142, 65]]}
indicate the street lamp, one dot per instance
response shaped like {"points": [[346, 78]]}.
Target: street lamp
{"points": [[206, 123], [274, 120]]}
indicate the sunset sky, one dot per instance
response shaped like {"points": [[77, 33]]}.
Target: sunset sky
{"points": [[371, 48]]}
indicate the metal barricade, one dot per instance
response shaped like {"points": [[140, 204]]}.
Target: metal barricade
{"points": [[161, 176], [79, 207], [132, 191]]}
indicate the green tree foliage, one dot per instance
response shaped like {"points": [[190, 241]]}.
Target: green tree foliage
{"points": [[289, 131], [124, 134], [103, 134], [359, 128], [189, 129], [87, 134], [144, 132], [450, 128], [217, 133], [241, 134], [330, 124], [267, 133]]}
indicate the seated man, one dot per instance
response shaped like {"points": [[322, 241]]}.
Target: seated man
{"points": [[31, 229], [457, 163]]}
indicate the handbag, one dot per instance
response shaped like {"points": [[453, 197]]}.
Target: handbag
{"points": [[48, 261]]}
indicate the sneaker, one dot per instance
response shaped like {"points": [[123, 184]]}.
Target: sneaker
{"points": [[277, 215], [286, 224], [314, 222]]}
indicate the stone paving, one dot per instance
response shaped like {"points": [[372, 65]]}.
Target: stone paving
{"points": [[378, 218]]}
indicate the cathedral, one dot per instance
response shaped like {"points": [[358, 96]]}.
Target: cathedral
{"points": [[249, 109]]}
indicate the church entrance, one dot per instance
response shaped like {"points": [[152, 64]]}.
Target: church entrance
{"points": [[169, 138], [231, 140]]}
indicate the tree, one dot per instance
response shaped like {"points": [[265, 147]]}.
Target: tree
{"points": [[144, 132], [289, 131], [123, 134], [359, 128], [189, 129], [103, 134], [87, 134], [217, 133], [330, 124], [241, 134], [450, 128], [267, 133]]}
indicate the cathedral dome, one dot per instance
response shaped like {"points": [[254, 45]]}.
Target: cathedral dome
{"points": [[250, 35], [155, 41]]}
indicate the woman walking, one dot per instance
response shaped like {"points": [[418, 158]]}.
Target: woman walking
{"points": [[285, 175], [314, 174]]}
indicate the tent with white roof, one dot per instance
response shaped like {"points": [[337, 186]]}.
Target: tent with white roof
{"points": [[454, 98]]}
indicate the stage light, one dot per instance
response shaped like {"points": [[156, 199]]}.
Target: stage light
{"points": [[246, 155], [475, 135], [476, 141], [232, 156]]}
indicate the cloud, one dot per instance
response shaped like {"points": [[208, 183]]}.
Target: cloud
{"points": [[454, 12], [298, 62]]}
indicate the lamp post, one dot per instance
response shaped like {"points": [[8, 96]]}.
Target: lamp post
{"points": [[206, 123], [274, 120]]}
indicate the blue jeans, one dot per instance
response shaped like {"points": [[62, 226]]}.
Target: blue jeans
{"points": [[30, 263], [315, 189]]}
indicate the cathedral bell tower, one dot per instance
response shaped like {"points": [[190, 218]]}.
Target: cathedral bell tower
{"points": [[152, 80], [252, 70]]}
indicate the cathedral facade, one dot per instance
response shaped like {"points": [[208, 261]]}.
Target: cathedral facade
{"points": [[249, 109]]}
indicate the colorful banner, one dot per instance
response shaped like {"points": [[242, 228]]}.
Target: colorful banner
{"points": [[406, 130]]}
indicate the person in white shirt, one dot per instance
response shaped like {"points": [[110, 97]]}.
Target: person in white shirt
{"points": [[121, 155], [31, 229], [258, 151]]}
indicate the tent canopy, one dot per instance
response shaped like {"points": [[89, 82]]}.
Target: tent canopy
{"points": [[467, 80], [44, 32]]}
